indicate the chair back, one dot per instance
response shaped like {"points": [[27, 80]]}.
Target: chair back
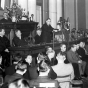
{"points": [[47, 85], [64, 81], [77, 84], [1, 80]]}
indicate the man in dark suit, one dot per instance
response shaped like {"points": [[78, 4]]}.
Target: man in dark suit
{"points": [[33, 72], [11, 69], [38, 37], [43, 77], [20, 70], [18, 40], [73, 58], [47, 31], [4, 45], [82, 52]]}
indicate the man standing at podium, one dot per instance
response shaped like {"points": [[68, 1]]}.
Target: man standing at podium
{"points": [[47, 29]]}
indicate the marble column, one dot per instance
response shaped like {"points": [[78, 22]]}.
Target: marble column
{"points": [[2, 4], [59, 10], [11, 2], [53, 12], [32, 8]]}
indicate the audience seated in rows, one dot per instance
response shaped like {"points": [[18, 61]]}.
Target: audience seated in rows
{"points": [[50, 68], [82, 66], [44, 70], [21, 69], [65, 72], [73, 58], [32, 71], [42, 57]]}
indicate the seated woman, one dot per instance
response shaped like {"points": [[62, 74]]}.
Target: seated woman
{"points": [[42, 57], [44, 70], [51, 56], [18, 39]]}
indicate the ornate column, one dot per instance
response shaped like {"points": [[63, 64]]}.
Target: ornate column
{"points": [[45, 10], [32, 8], [53, 12]]}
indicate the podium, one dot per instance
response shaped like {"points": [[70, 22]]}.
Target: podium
{"points": [[59, 36]]}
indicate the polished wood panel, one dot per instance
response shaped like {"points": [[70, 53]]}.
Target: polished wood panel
{"points": [[25, 27], [35, 49]]}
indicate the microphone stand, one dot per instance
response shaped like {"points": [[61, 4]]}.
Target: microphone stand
{"points": [[53, 40], [54, 37]]}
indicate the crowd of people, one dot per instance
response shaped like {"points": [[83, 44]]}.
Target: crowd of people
{"points": [[43, 34], [51, 68], [56, 68]]}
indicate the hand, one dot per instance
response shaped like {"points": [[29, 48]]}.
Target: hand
{"points": [[6, 50], [80, 61], [55, 30], [80, 56]]}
